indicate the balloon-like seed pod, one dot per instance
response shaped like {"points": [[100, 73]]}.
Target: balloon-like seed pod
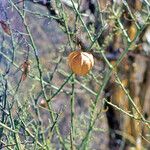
{"points": [[80, 62]]}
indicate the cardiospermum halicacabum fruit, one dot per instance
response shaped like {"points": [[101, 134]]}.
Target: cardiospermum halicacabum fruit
{"points": [[80, 62]]}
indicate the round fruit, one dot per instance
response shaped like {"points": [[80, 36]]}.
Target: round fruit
{"points": [[80, 62], [43, 103]]}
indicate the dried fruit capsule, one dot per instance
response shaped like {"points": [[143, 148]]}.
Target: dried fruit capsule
{"points": [[43, 103], [80, 62]]}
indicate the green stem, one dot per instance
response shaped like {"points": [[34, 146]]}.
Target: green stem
{"points": [[61, 87], [72, 113]]}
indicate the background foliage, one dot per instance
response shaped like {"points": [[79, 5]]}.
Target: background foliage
{"points": [[43, 105]]}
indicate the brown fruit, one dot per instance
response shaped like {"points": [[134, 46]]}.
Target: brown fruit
{"points": [[132, 31], [80, 62], [43, 103], [5, 27]]}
